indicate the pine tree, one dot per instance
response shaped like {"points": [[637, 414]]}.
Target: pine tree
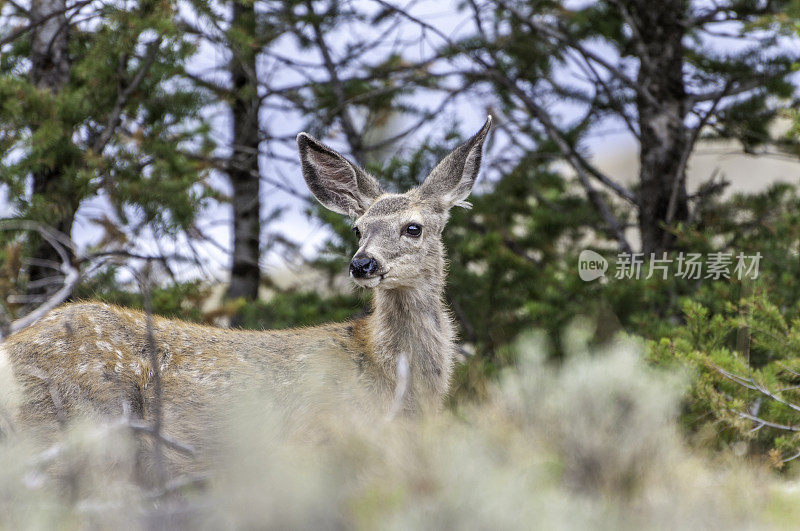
{"points": [[96, 111]]}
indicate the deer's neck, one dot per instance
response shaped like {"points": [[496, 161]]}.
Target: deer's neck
{"points": [[415, 322]]}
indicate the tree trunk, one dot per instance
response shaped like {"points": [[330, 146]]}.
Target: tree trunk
{"points": [[658, 44], [50, 69], [243, 169]]}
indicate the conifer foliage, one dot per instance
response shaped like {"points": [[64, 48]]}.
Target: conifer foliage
{"points": [[96, 121]]}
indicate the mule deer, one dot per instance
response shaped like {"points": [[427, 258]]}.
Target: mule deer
{"points": [[92, 358]]}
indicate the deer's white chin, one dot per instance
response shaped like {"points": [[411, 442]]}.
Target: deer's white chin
{"points": [[368, 282]]}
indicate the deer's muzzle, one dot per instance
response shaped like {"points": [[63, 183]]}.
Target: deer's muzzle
{"points": [[363, 266]]}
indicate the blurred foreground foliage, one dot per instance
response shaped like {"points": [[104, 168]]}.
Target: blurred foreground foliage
{"points": [[593, 444]]}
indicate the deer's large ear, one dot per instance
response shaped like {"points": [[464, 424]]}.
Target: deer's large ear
{"points": [[336, 182], [452, 179]]}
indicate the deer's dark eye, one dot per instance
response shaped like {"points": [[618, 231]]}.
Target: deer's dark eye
{"points": [[357, 232], [413, 230]]}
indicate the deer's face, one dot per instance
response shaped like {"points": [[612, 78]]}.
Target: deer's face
{"points": [[400, 241], [399, 235]]}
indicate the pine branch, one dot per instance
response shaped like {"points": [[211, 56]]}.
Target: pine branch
{"points": [[115, 116]]}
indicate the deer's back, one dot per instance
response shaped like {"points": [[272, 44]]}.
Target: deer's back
{"points": [[93, 359]]}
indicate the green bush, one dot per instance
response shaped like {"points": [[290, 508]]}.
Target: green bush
{"points": [[745, 362]]}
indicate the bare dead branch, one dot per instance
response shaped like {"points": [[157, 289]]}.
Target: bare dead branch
{"points": [[680, 179], [35, 23], [42, 262], [121, 253], [152, 353], [579, 164], [353, 138], [755, 386], [588, 55], [614, 226], [50, 234], [60, 242], [792, 458], [178, 484], [55, 395], [139, 426], [764, 422]]}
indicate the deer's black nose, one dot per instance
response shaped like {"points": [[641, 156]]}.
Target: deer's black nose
{"points": [[363, 266]]}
